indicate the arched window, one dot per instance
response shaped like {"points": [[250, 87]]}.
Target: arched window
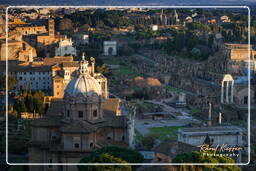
{"points": [[95, 113], [91, 145], [80, 114], [110, 50], [123, 137]]}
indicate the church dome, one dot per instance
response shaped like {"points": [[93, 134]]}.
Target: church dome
{"points": [[84, 83]]}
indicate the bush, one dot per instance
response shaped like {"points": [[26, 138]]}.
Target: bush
{"points": [[124, 154]]}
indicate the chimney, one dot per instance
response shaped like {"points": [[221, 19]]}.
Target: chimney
{"points": [[220, 118], [93, 65], [210, 115]]}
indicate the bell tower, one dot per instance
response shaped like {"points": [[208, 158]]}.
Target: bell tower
{"points": [[51, 27]]}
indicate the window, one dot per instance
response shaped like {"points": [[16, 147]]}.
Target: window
{"points": [[95, 113], [80, 114], [123, 138], [50, 161], [91, 145], [76, 145], [23, 46], [67, 113], [54, 137], [245, 99], [76, 142], [20, 78], [109, 138]]}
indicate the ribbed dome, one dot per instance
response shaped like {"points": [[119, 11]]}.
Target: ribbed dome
{"points": [[83, 84]]}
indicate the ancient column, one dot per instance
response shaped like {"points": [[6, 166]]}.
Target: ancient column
{"points": [[222, 91], [227, 88], [210, 115], [131, 121], [219, 119], [232, 91]]}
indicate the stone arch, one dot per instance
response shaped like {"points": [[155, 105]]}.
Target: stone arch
{"points": [[110, 50]]}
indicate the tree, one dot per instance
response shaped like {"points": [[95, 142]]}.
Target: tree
{"points": [[148, 142], [124, 154], [29, 103], [107, 158], [38, 99], [12, 82], [104, 69], [208, 140], [20, 106], [198, 157]]}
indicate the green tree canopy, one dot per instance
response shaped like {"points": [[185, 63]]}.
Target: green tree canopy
{"points": [[198, 157], [123, 154], [12, 82], [108, 158]]}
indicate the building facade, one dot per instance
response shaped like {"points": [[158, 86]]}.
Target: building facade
{"points": [[78, 127], [34, 78], [221, 135], [65, 48], [17, 50], [27, 30]]}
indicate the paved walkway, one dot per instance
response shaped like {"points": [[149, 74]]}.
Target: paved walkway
{"points": [[166, 108], [182, 118]]}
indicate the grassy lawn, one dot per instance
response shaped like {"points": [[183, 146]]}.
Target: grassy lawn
{"points": [[111, 61], [149, 107], [173, 89], [195, 111], [167, 132], [125, 70]]}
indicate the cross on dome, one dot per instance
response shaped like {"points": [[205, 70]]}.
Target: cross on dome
{"points": [[83, 66]]}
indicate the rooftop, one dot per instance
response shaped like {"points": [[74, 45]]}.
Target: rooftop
{"points": [[211, 129]]}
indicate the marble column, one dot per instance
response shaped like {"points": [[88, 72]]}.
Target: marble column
{"points": [[222, 92], [227, 88], [220, 118], [232, 91]]}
